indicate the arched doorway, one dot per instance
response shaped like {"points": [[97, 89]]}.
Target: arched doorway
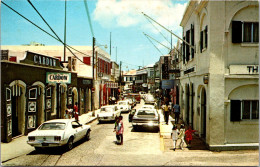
{"points": [[187, 104], [203, 106]]}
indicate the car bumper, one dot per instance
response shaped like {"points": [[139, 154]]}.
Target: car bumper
{"points": [[47, 144], [106, 118], [145, 124]]}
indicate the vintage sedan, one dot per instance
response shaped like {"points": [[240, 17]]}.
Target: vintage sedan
{"points": [[124, 106], [147, 106], [145, 117], [149, 99], [108, 113], [58, 132]]}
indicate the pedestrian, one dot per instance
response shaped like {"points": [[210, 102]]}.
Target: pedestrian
{"points": [[176, 108], [120, 129], [66, 114], [70, 111], [115, 130], [166, 112], [174, 135], [181, 135], [188, 136], [76, 112], [110, 100]]}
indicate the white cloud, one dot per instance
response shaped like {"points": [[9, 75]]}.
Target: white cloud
{"points": [[125, 13]]}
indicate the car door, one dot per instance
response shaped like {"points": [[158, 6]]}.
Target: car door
{"points": [[78, 130]]}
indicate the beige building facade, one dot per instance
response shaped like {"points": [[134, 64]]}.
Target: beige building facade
{"points": [[219, 72]]}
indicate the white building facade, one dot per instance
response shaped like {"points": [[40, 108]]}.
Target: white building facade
{"points": [[219, 72]]}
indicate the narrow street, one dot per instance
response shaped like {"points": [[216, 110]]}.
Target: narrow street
{"points": [[140, 148]]}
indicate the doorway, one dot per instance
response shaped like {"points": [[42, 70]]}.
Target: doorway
{"points": [[203, 113]]}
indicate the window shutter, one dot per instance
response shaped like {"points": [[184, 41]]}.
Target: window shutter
{"points": [[235, 110], [183, 51], [187, 46], [201, 41], [236, 31], [206, 36], [86, 60], [192, 41]]}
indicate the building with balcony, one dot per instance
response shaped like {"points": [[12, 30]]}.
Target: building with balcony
{"points": [[219, 72]]}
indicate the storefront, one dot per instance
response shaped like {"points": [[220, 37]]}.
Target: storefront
{"points": [[84, 86], [34, 90]]}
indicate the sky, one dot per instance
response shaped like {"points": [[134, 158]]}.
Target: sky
{"points": [[122, 18]]}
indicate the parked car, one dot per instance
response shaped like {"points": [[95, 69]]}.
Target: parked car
{"points": [[146, 118], [137, 96], [131, 114], [131, 100], [124, 106], [149, 99], [58, 132], [108, 113]]}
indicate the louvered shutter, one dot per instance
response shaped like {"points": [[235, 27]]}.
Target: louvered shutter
{"points": [[235, 110], [236, 31]]}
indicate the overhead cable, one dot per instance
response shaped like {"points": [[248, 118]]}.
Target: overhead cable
{"points": [[153, 44], [41, 28], [89, 20], [52, 29]]}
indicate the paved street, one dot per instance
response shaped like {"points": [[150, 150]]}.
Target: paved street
{"points": [[144, 147]]}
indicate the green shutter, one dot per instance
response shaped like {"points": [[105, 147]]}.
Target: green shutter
{"points": [[236, 31], [235, 110]]}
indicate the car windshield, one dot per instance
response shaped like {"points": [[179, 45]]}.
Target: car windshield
{"points": [[122, 103], [150, 107], [53, 126], [146, 112], [106, 109]]}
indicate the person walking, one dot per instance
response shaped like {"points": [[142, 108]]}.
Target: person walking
{"points": [[188, 136], [120, 129], [174, 136], [76, 112], [70, 111], [66, 114], [181, 135], [166, 112], [176, 108]]}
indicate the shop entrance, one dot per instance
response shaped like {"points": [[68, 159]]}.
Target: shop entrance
{"points": [[203, 113], [15, 121]]}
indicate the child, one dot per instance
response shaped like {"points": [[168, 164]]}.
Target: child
{"points": [[174, 135], [188, 136], [120, 129], [116, 130], [181, 135]]}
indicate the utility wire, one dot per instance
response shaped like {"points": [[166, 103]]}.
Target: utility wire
{"points": [[153, 44], [89, 20], [158, 30], [52, 29], [157, 41], [41, 28]]}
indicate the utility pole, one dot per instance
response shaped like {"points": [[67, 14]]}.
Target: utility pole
{"points": [[93, 78], [64, 58], [120, 78]]}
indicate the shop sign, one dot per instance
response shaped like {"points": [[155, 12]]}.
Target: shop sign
{"points": [[41, 60], [244, 69], [55, 77], [111, 85], [167, 84]]}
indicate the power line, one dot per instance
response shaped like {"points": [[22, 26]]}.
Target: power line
{"points": [[42, 29], [89, 20], [153, 44], [52, 29]]}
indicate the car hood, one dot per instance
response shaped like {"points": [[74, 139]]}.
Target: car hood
{"points": [[46, 133]]}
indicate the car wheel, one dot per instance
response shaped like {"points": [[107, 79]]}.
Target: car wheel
{"points": [[87, 137], [70, 144], [135, 127], [38, 149]]}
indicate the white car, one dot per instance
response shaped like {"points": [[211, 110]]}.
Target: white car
{"points": [[147, 106], [58, 132], [146, 118], [108, 113], [149, 99], [123, 106]]}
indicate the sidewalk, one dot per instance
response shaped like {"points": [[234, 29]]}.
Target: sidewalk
{"points": [[19, 146], [165, 135]]}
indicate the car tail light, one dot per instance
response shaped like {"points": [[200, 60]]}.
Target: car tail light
{"points": [[31, 138], [57, 138]]}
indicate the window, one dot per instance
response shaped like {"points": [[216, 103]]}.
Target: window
{"points": [[245, 32], [12, 58], [244, 110], [250, 32], [204, 39]]}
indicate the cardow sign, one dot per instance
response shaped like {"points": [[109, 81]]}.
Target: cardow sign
{"points": [[55, 77]]}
